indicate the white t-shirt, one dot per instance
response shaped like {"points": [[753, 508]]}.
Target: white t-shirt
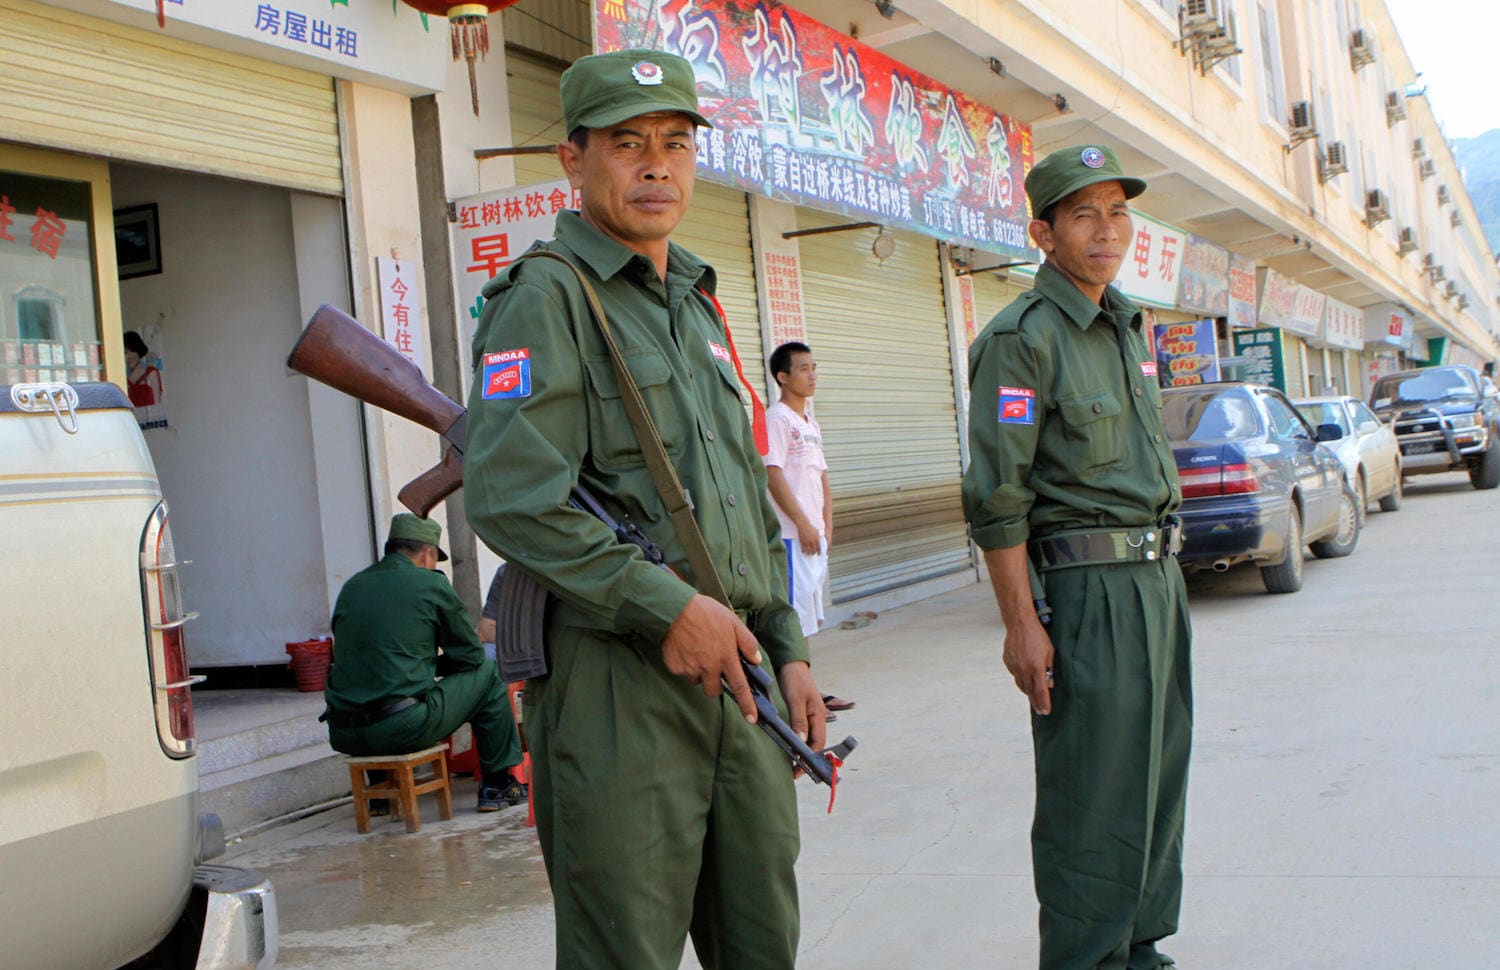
{"points": [[796, 447]]}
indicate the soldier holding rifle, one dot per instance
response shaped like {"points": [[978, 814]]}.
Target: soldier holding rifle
{"points": [[660, 808]]}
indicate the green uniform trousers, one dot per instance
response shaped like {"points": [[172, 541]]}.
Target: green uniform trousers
{"points": [[1111, 766], [475, 697], [661, 813]]}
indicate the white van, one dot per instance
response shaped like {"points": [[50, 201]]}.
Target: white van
{"points": [[101, 843]]}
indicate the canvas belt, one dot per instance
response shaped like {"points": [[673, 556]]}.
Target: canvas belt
{"points": [[365, 718], [1088, 547]]}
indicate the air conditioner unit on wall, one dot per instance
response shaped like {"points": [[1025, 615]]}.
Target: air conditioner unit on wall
{"points": [[1300, 124], [1334, 161], [1427, 169], [1377, 208], [1444, 196], [1395, 108], [1407, 241], [1203, 29], [1361, 49], [1454, 219]]}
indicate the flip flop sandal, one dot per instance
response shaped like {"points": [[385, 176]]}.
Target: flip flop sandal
{"points": [[836, 703], [831, 716]]}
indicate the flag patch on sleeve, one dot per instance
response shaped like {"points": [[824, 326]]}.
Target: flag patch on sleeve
{"points": [[720, 352], [1017, 405], [1148, 368], [507, 374]]}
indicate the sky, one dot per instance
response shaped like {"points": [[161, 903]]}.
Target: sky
{"points": [[1453, 44]]}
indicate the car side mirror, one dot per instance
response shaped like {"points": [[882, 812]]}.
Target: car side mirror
{"points": [[1329, 432]]}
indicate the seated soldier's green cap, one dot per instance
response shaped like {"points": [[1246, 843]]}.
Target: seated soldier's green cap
{"points": [[1067, 170], [404, 525], [605, 89]]}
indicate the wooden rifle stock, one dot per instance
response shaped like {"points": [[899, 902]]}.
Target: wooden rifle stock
{"points": [[337, 350], [435, 484]]}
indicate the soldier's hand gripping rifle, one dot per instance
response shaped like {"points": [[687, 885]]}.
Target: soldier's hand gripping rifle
{"points": [[336, 350]]}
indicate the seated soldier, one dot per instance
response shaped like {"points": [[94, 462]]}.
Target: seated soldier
{"points": [[383, 694]]}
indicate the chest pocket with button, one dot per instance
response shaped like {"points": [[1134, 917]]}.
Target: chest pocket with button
{"points": [[611, 438], [1091, 423]]}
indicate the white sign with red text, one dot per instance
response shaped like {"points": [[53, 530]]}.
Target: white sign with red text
{"points": [[1153, 262], [400, 307]]}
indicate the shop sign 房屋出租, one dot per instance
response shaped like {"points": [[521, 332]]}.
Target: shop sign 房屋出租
{"points": [[355, 39], [811, 116]]}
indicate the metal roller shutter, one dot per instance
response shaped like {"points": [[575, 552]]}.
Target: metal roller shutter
{"points": [[993, 293], [99, 88], [885, 402], [1292, 348], [716, 228]]}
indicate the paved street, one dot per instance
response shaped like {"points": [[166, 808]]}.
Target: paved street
{"points": [[1345, 780]]}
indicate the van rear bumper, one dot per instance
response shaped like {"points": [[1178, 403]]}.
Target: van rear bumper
{"points": [[240, 929]]}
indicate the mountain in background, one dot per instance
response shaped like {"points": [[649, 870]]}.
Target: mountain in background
{"points": [[1480, 160]]}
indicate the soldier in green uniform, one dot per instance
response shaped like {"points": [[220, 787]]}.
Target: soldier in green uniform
{"points": [[388, 623], [1069, 493], [662, 811]]}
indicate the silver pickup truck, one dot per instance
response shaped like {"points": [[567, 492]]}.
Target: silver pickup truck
{"points": [[102, 847]]}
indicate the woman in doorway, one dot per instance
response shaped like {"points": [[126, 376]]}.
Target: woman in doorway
{"points": [[143, 381]]}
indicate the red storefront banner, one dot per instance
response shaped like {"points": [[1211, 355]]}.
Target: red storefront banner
{"points": [[805, 114]]}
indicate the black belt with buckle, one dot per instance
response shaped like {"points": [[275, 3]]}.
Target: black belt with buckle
{"points": [[1088, 547], [359, 719]]}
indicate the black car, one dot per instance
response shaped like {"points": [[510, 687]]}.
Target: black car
{"points": [[1445, 418], [1257, 484]]}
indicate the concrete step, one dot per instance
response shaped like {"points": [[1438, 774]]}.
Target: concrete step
{"points": [[262, 754]]}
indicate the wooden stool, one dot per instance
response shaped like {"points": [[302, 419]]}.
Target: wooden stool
{"points": [[400, 788]]}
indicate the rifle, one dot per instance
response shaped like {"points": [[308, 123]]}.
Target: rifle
{"points": [[337, 350]]}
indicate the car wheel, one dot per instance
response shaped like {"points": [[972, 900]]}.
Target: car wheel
{"points": [[1392, 502], [1343, 541], [1361, 495], [1286, 576], [1486, 474]]}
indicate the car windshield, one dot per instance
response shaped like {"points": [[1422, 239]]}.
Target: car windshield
{"points": [[1428, 385], [1202, 414], [1325, 412]]}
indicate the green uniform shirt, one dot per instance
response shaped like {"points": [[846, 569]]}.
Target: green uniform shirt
{"points": [[545, 413], [388, 623], [1065, 425]]}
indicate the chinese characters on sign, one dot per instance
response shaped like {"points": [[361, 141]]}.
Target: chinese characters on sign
{"points": [[784, 297], [491, 231], [400, 306], [298, 28], [1343, 326], [1387, 323], [1241, 292], [1262, 356], [1289, 305], [808, 115], [1153, 262], [44, 230], [1186, 353], [1204, 278]]}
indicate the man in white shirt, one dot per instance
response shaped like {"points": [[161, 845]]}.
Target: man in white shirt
{"points": [[798, 476]]}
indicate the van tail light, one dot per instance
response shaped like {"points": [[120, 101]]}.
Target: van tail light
{"points": [[161, 601], [1232, 479]]}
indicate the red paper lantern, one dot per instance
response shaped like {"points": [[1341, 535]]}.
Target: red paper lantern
{"points": [[470, 30]]}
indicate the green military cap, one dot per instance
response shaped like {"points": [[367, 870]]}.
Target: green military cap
{"points": [[605, 89], [1067, 170], [404, 525]]}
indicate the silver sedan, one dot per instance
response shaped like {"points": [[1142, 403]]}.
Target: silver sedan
{"points": [[1367, 447]]}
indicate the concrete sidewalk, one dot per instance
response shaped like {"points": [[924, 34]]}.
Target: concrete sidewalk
{"points": [[1342, 811]]}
